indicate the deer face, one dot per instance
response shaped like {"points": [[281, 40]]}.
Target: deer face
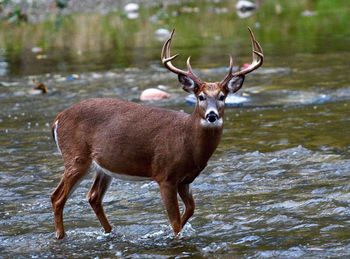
{"points": [[211, 97], [211, 103]]}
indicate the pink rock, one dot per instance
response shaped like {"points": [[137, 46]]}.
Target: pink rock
{"points": [[245, 65], [153, 94]]}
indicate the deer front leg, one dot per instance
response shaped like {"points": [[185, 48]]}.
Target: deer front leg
{"points": [[168, 192], [186, 196]]}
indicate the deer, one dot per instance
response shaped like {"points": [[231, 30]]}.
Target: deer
{"points": [[133, 141]]}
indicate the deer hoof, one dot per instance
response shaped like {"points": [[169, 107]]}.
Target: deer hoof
{"points": [[60, 235]]}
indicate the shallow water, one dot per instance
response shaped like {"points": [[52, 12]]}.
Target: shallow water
{"points": [[278, 185]]}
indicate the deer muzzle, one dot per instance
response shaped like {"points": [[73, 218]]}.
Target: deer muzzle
{"points": [[212, 116]]}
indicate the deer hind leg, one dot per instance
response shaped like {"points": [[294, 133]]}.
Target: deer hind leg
{"points": [[95, 196], [168, 192], [186, 196], [73, 174]]}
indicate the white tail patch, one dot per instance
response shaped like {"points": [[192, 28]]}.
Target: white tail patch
{"points": [[55, 136]]}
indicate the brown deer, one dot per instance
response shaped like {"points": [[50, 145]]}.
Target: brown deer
{"points": [[132, 141]]}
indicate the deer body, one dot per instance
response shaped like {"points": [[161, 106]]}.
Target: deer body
{"points": [[133, 141], [164, 140]]}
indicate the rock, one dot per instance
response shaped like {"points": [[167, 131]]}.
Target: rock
{"points": [[40, 88], [132, 15], [72, 77], [162, 34], [245, 6], [37, 49], [131, 7], [153, 94], [131, 10]]}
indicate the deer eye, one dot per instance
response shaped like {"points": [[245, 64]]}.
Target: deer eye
{"points": [[201, 97], [221, 97]]}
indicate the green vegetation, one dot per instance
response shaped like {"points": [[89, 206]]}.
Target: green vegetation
{"points": [[283, 27]]}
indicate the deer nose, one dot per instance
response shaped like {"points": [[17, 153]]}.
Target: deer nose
{"points": [[212, 117]]}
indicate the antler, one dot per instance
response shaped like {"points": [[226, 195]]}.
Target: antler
{"points": [[258, 59], [167, 58]]}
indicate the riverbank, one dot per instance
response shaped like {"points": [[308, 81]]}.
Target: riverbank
{"points": [[15, 11]]}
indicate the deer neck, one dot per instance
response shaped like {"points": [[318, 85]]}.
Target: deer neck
{"points": [[204, 139]]}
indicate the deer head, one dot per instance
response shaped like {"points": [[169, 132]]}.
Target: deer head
{"points": [[211, 96]]}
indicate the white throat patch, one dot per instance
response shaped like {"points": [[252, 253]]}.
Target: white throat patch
{"points": [[217, 124]]}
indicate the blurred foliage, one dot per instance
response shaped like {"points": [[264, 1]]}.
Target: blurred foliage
{"points": [[202, 27], [14, 14]]}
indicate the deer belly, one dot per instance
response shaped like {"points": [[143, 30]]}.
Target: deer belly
{"points": [[96, 167]]}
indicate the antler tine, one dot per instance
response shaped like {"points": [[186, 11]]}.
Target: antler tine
{"points": [[257, 56], [167, 58], [231, 64], [189, 65], [229, 74]]}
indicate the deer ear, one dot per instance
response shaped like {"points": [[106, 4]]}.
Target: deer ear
{"points": [[187, 84], [234, 84]]}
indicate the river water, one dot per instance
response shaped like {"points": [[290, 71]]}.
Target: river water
{"points": [[277, 186]]}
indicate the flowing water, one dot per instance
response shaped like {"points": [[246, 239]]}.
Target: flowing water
{"points": [[279, 182]]}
